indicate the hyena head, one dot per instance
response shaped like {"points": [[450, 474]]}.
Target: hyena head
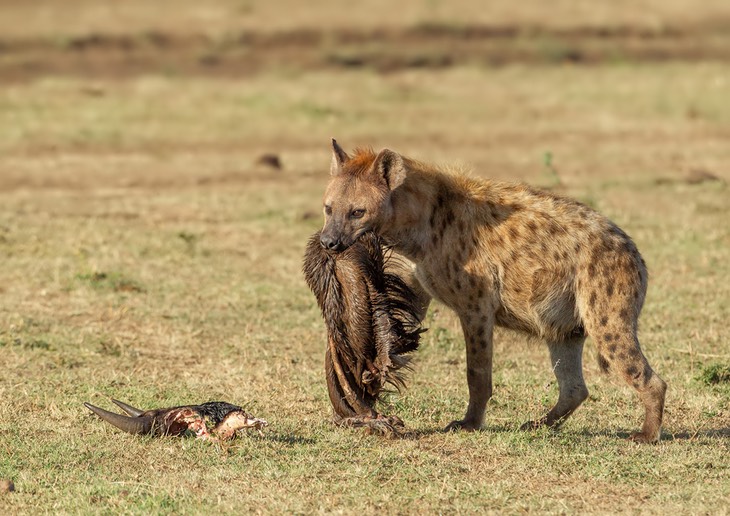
{"points": [[358, 197]]}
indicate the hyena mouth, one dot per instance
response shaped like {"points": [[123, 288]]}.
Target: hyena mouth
{"points": [[339, 245]]}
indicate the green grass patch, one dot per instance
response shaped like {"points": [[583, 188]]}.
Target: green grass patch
{"points": [[715, 374]]}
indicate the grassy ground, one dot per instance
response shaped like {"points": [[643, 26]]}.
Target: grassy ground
{"points": [[148, 256]]}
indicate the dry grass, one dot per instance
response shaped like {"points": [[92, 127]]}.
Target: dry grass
{"points": [[147, 256]]}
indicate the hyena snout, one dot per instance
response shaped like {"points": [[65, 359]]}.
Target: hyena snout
{"points": [[332, 242]]}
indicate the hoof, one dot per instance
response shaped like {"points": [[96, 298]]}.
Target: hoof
{"points": [[461, 425]]}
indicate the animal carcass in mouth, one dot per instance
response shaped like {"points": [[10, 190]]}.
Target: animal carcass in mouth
{"points": [[372, 325], [215, 420]]}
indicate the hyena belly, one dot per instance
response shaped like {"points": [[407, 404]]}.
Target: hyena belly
{"points": [[542, 303]]}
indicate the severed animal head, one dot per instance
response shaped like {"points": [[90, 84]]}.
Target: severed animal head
{"points": [[215, 420], [372, 324]]}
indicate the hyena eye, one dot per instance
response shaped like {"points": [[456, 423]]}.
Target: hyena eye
{"points": [[328, 209], [357, 214]]}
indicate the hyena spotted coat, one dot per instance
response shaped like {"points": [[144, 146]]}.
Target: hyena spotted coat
{"points": [[509, 255]]}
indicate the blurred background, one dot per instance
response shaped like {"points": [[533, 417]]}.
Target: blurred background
{"points": [[499, 85]]}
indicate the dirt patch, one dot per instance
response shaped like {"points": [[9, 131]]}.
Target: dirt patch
{"points": [[423, 46]]}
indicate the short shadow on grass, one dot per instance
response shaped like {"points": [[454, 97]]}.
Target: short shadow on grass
{"points": [[418, 433], [665, 437], [723, 433], [289, 439]]}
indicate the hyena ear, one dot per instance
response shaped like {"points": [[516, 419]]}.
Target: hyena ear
{"points": [[339, 158], [389, 165]]}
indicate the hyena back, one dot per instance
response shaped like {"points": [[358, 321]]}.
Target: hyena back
{"points": [[505, 254]]}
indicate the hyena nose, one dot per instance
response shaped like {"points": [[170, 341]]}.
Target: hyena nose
{"points": [[330, 242]]}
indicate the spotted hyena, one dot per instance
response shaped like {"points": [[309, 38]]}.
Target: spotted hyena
{"points": [[509, 255]]}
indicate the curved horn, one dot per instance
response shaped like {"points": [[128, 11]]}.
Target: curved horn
{"points": [[129, 409], [132, 425]]}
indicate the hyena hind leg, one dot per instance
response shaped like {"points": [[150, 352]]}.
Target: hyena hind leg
{"points": [[566, 359], [621, 352]]}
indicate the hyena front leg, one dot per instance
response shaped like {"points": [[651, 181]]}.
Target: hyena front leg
{"points": [[478, 332], [566, 359], [423, 298]]}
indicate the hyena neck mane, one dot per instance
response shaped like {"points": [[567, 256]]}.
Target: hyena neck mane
{"points": [[429, 202]]}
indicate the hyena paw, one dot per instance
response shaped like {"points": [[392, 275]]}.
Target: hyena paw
{"points": [[642, 438], [463, 425], [532, 425], [547, 420]]}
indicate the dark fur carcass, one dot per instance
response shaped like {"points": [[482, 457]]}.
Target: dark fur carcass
{"points": [[372, 325], [214, 420]]}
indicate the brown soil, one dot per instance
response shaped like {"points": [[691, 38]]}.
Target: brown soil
{"points": [[425, 46]]}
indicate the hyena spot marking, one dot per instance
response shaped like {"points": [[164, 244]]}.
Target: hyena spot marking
{"points": [[609, 289], [604, 320], [648, 373], [592, 299], [612, 348], [608, 337], [624, 314], [592, 269], [596, 253], [514, 233], [634, 353], [633, 372], [532, 226], [603, 363]]}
